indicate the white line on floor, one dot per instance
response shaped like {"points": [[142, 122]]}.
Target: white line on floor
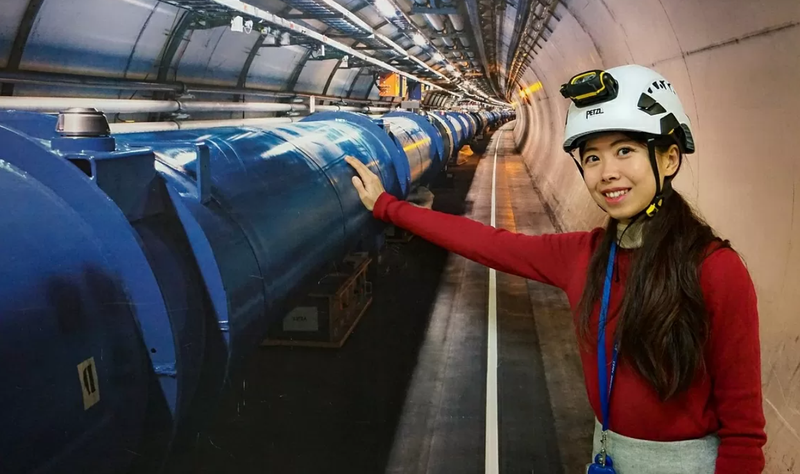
{"points": [[492, 444]]}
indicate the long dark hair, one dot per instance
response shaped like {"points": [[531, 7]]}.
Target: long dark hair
{"points": [[663, 325]]}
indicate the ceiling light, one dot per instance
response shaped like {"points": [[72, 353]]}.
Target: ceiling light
{"points": [[386, 8], [419, 39], [437, 56]]}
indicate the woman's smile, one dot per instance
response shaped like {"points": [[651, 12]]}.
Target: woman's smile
{"points": [[615, 195]]}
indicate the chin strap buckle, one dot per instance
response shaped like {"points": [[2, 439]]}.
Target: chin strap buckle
{"points": [[654, 207]]}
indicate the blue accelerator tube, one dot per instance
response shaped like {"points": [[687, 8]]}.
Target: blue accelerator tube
{"points": [[422, 143], [80, 308], [468, 121], [139, 269], [459, 129]]}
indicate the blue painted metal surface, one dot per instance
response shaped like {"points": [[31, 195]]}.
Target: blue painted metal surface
{"points": [[422, 144], [395, 172], [459, 128], [446, 131], [191, 242], [480, 122], [467, 132], [72, 279], [471, 125]]}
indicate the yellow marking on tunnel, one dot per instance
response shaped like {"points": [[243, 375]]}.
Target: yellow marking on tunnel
{"points": [[531, 89]]}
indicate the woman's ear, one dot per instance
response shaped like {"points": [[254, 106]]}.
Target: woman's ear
{"points": [[670, 161]]}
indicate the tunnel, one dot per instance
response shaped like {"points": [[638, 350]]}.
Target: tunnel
{"points": [[191, 281]]}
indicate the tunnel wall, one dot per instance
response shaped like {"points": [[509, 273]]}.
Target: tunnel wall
{"points": [[735, 65]]}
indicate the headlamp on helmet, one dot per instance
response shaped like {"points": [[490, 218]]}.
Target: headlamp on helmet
{"points": [[591, 87]]}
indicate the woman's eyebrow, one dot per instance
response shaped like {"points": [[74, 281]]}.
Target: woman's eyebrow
{"points": [[615, 143]]}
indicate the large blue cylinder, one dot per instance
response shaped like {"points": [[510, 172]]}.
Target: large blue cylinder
{"points": [[173, 252], [459, 129], [281, 206], [75, 292], [470, 123], [421, 142]]}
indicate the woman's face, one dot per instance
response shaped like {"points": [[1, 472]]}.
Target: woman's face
{"points": [[618, 174]]}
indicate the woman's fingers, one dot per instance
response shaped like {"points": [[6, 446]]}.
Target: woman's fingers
{"points": [[367, 184], [368, 178], [360, 168], [359, 186]]}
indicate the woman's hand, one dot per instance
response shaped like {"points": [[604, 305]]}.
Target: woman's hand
{"points": [[369, 187]]}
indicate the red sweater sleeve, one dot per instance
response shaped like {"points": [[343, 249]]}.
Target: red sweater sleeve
{"points": [[734, 363], [548, 258]]}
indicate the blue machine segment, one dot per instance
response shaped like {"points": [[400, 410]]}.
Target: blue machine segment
{"points": [[74, 365], [397, 179], [424, 140], [467, 132], [460, 130], [417, 146], [162, 259]]}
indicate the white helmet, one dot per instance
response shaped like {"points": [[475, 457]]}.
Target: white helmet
{"points": [[627, 98]]}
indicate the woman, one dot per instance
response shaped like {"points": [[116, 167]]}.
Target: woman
{"points": [[666, 311]]}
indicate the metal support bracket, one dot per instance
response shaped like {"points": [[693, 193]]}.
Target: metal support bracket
{"points": [[203, 173]]}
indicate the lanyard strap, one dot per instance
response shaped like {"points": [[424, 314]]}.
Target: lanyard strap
{"points": [[606, 383]]}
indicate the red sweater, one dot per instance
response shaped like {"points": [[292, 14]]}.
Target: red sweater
{"points": [[726, 400]]}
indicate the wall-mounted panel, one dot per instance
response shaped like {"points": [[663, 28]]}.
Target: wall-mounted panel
{"points": [[374, 93], [155, 31], [314, 76], [13, 11], [341, 81], [273, 67], [215, 56], [88, 36], [506, 29], [363, 82]]}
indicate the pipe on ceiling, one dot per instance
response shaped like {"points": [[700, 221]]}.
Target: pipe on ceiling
{"points": [[56, 104]]}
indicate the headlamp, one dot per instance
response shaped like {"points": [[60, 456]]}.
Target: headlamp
{"points": [[589, 88]]}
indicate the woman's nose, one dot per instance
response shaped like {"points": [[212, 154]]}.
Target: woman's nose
{"points": [[610, 172]]}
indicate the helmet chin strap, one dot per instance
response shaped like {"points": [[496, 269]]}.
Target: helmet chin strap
{"points": [[658, 200]]}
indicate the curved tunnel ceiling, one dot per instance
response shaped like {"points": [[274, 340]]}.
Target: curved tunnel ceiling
{"points": [[734, 63], [191, 41]]}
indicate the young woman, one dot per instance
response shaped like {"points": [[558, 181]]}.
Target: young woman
{"points": [[665, 311]]}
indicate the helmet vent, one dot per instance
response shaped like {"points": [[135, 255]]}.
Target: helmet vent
{"points": [[662, 85], [650, 105]]}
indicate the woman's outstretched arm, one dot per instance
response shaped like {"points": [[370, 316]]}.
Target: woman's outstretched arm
{"points": [[548, 258]]}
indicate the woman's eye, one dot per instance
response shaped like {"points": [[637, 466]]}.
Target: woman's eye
{"points": [[625, 151], [590, 159]]}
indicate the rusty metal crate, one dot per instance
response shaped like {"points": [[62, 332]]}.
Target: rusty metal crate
{"points": [[330, 312]]}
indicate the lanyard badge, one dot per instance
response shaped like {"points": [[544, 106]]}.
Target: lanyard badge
{"points": [[603, 464]]}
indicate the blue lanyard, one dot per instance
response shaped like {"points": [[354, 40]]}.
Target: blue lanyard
{"points": [[606, 383]]}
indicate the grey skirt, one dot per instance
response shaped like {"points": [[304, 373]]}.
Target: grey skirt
{"points": [[636, 456]]}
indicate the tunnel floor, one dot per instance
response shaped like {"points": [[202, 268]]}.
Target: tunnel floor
{"points": [[407, 392]]}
